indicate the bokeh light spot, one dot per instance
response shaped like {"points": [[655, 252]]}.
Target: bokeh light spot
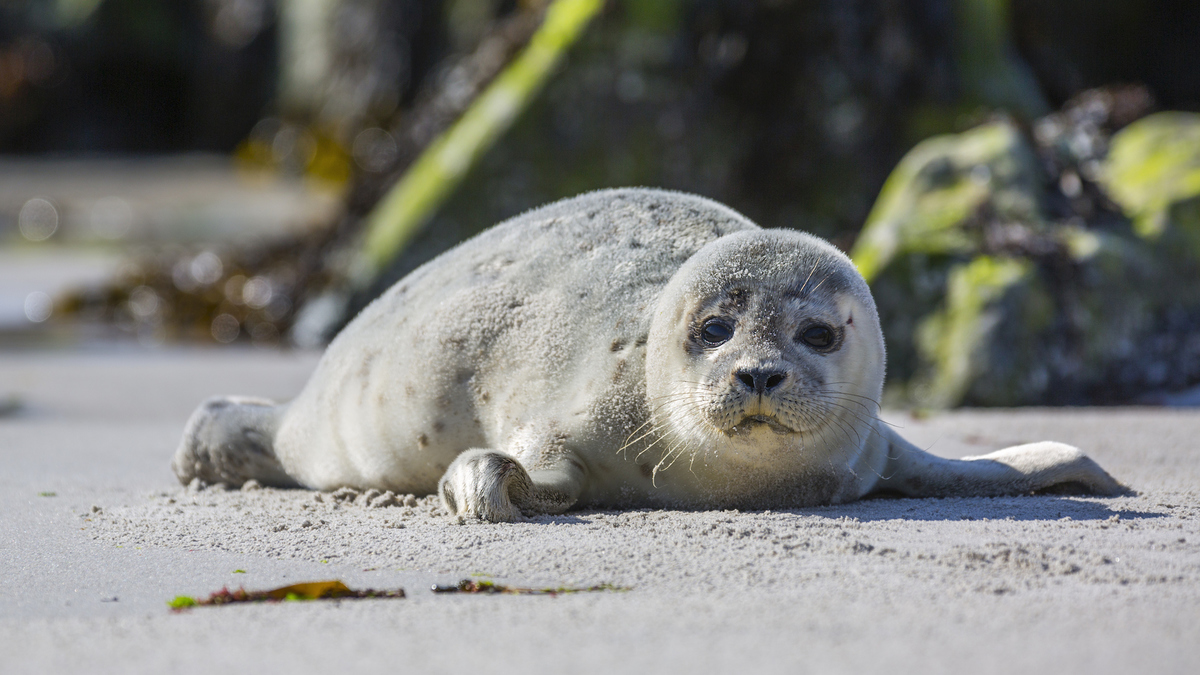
{"points": [[256, 293], [206, 268], [38, 307], [226, 328], [374, 149], [38, 219], [143, 302]]}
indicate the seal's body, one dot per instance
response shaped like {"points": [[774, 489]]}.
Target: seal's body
{"points": [[623, 348]]}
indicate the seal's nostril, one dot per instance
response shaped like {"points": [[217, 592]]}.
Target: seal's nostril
{"points": [[760, 381]]}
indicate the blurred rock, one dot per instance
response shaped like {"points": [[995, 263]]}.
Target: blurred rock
{"points": [[1153, 172], [943, 183], [999, 283], [946, 250]]}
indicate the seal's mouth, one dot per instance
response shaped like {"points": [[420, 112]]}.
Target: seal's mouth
{"points": [[752, 423]]}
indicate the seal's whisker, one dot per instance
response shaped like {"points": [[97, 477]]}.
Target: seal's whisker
{"points": [[836, 399], [692, 464], [813, 419], [646, 449], [848, 399], [676, 451], [861, 417], [878, 406], [671, 395], [624, 449], [654, 428], [674, 459], [865, 401], [845, 429], [651, 421], [809, 406], [806, 415], [876, 472], [860, 412], [630, 440], [848, 468], [705, 386], [808, 278], [850, 393], [814, 290], [870, 427], [659, 463]]}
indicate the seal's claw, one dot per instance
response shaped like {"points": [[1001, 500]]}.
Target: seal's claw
{"points": [[483, 484]]}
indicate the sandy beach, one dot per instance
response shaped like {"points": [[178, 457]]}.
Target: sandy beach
{"points": [[98, 536]]}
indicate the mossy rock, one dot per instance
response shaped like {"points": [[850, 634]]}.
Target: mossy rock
{"points": [[987, 300], [939, 298], [1153, 173], [940, 185], [1074, 314]]}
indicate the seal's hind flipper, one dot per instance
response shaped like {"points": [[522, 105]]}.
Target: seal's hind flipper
{"points": [[230, 440], [1020, 469]]}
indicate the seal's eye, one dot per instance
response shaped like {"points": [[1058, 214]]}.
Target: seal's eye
{"points": [[818, 337], [715, 332]]}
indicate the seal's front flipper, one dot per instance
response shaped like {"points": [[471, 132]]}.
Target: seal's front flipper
{"points": [[1020, 469], [230, 440], [493, 486]]}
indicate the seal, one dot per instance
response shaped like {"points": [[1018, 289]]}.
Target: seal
{"points": [[624, 348]]}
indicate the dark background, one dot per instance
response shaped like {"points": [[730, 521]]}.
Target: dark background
{"points": [[793, 112]]}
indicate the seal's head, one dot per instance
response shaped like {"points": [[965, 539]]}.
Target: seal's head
{"points": [[765, 351]]}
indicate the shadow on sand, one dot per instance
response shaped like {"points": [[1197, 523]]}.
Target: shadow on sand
{"points": [[877, 508], [1032, 507]]}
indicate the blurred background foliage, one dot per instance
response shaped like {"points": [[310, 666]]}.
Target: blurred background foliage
{"points": [[1014, 260]]}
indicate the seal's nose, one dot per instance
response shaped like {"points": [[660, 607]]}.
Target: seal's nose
{"points": [[760, 380]]}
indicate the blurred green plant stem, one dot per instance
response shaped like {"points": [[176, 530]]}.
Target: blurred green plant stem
{"points": [[406, 208]]}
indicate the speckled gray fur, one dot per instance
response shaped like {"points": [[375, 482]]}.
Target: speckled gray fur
{"points": [[554, 361]]}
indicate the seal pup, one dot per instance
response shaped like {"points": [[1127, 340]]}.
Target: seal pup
{"points": [[624, 348]]}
